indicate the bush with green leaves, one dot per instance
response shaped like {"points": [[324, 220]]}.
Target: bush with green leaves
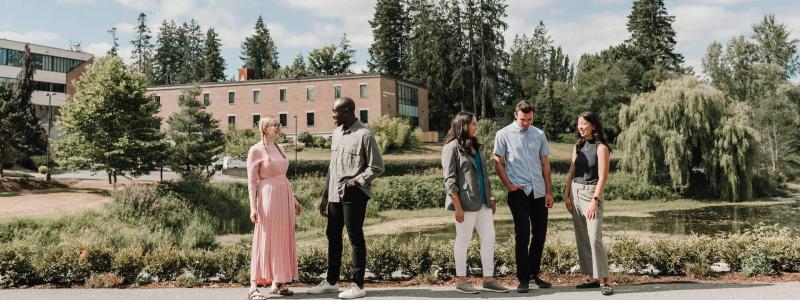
{"points": [[306, 138], [394, 134]]}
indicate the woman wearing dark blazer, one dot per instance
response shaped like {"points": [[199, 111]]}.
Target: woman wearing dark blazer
{"points": [[469, 196]]}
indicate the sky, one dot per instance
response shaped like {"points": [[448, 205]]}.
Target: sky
{"points": [[299, 26]]}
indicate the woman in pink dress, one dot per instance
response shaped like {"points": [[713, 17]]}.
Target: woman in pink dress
{"points": [[272, 210]]}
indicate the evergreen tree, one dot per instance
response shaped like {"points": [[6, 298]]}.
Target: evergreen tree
{"points": [[195, 136], [776, 46], [652, 35], [142, 55], [190, 45], [110, 125], [389, 31], [296, 70], [168, 56], [260, 53], [214, 64], [20, 133]]}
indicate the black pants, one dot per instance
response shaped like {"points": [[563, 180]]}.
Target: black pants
{"points": [[530, 230], [349, 213]]}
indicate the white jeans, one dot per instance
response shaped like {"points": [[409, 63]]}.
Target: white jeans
{"points": [[483, 221]]}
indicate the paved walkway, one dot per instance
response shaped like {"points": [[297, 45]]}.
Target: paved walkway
{"points": [[681, 291]]}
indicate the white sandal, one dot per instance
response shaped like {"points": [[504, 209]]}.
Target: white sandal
{"points": [[255, 295]]}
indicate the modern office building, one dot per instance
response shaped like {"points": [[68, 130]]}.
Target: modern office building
{"points": [[55, 69], [306, 101]]}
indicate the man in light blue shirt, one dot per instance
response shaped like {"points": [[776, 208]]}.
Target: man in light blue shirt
{"points": [[520, 158]]}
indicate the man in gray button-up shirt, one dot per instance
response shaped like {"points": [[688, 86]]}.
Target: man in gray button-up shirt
{"points": [[355, 162]]}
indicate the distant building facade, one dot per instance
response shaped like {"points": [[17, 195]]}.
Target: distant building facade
{"points": [[306, 101], [55, 70]]}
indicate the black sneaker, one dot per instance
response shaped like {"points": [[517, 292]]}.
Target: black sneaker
{"points": [[541, 284], [523, 287], [588, 285]]}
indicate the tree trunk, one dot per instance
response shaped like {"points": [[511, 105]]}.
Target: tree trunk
{"points": [[109, 177]]}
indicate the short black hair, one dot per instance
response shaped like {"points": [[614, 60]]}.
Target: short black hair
{"points": [[524, 106], [348, 103]]}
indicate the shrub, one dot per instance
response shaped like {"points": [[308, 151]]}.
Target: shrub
{"points": [[668, 256], [187, 280], [393, 134], [43, 170], [559, 257], [419, 256], [104, 280], [757, 263], [385, 257], [62, 265], [165, 263], [306, 138], [629, 254], [312, 262], [16, 267], [128, 263], [232, 260], [202, 264]]}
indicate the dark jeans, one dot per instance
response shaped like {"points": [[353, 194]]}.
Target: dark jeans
{"points": [[349, 213], [528, 212]]}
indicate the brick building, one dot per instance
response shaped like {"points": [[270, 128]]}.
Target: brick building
{"points": [[308, 101]]}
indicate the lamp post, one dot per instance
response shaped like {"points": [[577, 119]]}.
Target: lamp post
{"points": [[49, 125], [295, 138]]}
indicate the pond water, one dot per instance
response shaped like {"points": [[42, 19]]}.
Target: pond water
{"points": [[707, 221]]}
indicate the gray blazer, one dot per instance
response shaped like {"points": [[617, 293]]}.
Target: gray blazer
{"points": [[461, 178]]}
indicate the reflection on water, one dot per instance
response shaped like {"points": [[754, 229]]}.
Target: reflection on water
{"points": [[706, 221]]}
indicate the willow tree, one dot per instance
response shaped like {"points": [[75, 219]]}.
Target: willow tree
{"points": [[686, 128]]}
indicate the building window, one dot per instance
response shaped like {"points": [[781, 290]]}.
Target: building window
{"points": [[231, 97], [364, 116], [284, 118], [2, 57], [256, 118], [337, 92], [231, 122], [283, 95], [310, 93], [256, 97], [206, 99], [309, 119], [408, 104], [362, 91]]}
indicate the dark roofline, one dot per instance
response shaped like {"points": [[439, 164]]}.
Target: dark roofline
{"points": [[311, 78]]}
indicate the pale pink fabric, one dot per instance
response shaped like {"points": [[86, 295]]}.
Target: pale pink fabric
{"points": [[274, 254]]}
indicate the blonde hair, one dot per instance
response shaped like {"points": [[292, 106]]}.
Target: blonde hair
{"points": [[263, 125]]}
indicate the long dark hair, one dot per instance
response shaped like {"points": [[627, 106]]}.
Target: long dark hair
{"points": [[459, 130], [598, 133]]}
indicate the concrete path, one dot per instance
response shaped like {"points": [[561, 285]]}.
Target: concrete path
{"points": [[789, 290]]}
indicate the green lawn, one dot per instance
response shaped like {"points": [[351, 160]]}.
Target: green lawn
{"points": [[430, 152]]}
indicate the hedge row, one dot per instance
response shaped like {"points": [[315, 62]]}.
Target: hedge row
{"points": [[306, 168], [390, 259]]}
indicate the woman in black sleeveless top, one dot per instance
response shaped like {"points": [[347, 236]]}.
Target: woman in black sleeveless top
{"points": [[586, 181]]}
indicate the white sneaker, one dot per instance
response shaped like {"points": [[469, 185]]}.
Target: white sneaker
{"points": [[353, 292], [324, 287]]}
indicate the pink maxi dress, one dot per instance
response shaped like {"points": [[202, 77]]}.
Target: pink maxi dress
{"points": [[274, 253]]}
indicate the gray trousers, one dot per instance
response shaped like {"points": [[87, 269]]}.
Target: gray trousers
{"points": [[588, 233]]}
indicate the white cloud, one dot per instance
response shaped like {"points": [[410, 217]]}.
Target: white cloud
{"points": [[98, 49], [126, 28], [358, 69], [77, 1], [697, 26], [34, 37], [590, 34]]}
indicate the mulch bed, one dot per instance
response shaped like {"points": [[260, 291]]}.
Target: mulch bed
{"points": [[16, 184]]}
